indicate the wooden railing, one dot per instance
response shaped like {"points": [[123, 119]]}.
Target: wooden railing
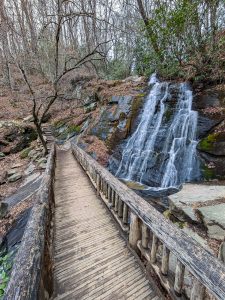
{"points": [[31, 276], [156, 238]]}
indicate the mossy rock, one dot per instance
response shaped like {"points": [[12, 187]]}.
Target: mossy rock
{"points": [[24, 153], [73, 129], [208, 173], [207, 142], [214, 144]]}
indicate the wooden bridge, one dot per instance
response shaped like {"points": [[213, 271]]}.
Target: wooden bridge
{"points": [[90, 237], [92, 260]]}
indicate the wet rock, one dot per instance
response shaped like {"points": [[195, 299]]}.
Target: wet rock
{"points": [[205, 125], [213, 144], [212, 167], [15, 177], [123, 106]]}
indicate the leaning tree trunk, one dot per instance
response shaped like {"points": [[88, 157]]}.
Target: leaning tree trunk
{"points": [[40, 134]]}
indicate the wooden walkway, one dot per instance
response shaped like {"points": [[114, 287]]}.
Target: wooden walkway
{"points": [[92, 260]]}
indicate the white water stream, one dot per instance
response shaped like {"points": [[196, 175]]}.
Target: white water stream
{"points": [[178, 139]]}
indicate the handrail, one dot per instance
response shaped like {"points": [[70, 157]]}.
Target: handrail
{"points": [[29, 278], [207, 270]]}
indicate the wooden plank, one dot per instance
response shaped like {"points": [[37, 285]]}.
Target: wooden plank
{"points": [[201, 263]]}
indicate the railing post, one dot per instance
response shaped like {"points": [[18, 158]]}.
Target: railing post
{"points": [[198, 291], [144, 235], [154, 248], [179, 278], [98, 184], [165, 260], [113, 198], [116, 202], [120, 208], [135, 232], [125, 213], [109, 193]]}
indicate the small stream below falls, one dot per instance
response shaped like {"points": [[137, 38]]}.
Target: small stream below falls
{"points": [[161, 153]]}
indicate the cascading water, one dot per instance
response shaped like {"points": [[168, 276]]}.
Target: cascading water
{"points": [[163, 152]]}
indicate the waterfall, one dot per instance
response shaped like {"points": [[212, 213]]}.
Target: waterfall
{"points": [[159, 148]]}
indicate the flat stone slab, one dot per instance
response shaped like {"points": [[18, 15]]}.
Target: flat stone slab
{"points": [[209, 200]]}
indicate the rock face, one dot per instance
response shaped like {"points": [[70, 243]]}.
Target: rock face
{"points": [[204, 204], [210, 104], [114, 122], [15, 137]]}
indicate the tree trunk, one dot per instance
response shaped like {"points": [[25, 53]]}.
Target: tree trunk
{"points": [[40, 135]]}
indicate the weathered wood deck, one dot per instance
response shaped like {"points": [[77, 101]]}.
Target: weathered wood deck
{"points": [[92, 260]]}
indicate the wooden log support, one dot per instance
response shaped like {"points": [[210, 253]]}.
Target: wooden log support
{"points": [[120, 208], [154, 248], [165, 260], [109, 194], [135, 231], [105, 189], [113, 198], [144, 236], [179, 278], [198, 291], [116, 202], [125, 213], [101, 184], [98, 184]]}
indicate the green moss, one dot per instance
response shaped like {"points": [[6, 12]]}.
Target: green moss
{"points": [[207, 142], [73, 129], [167, 214], [208, 173], [180, 224], [25, 152], [59, 124]]}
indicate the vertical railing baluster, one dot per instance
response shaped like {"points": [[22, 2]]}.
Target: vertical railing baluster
{"points": [[116, 202], [113, 198], [179, 278], [154, 248], [98, 184], [120, 208], [125, 213], [135, 231], [165, 260], [198, 291], [144, 235]]}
